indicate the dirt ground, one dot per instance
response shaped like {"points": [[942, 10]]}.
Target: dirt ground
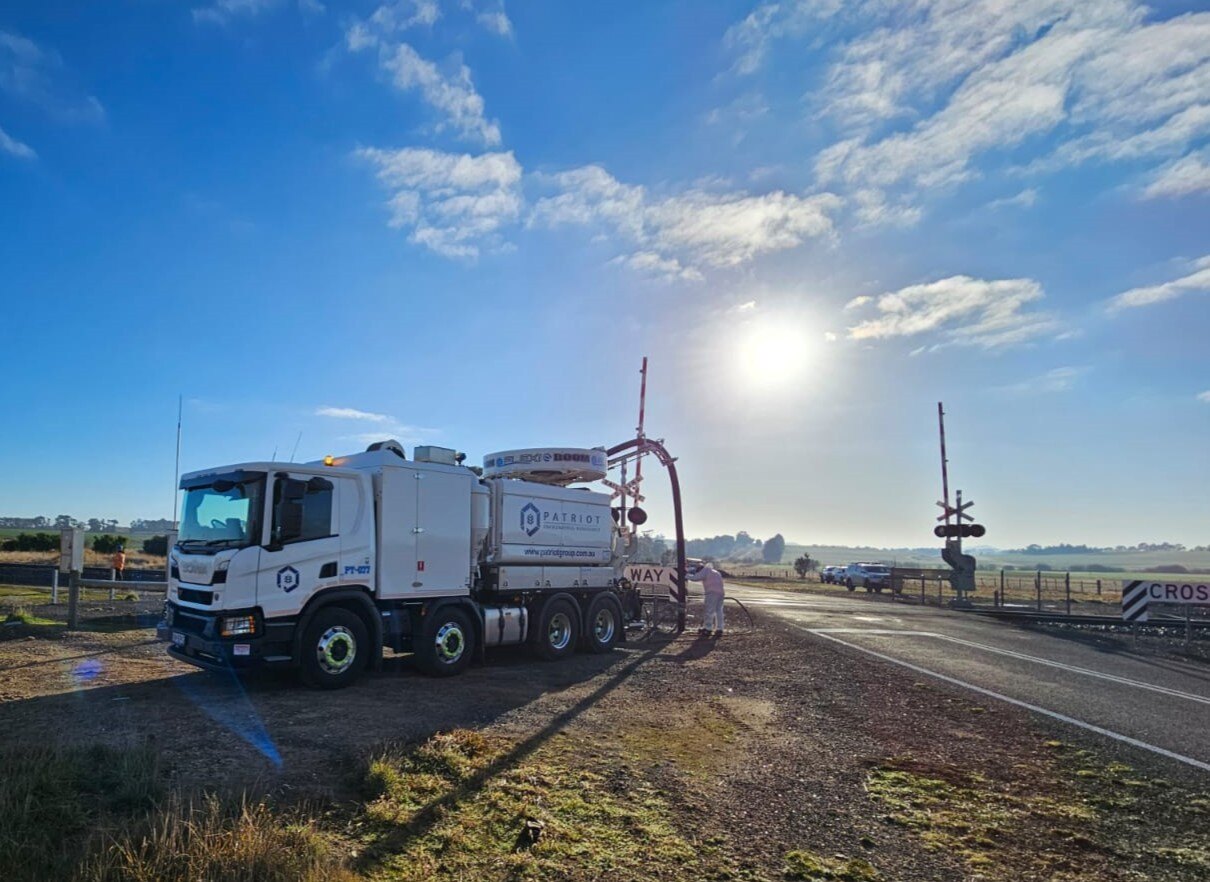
{"points": [[783, 757]]}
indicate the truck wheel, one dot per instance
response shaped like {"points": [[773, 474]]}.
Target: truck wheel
{"points": [[335, 647], [556, 635], [604, 624], [448, 643], [848, 583]]}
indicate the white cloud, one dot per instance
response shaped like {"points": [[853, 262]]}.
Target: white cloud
{"points": [[873, 210], [1187, 175], [352, 413], [454, 204], [830, 336], [222, 11], [386, 427], [752, 38], [1204, 396], [16, 148], [38, 76], [496, 22], [452, 91], [923, 94], [696, 227], [1196, 281], [1059, 379], [1025, 199], [648, 263], [963, 310], [745, 306], [858, 302]]}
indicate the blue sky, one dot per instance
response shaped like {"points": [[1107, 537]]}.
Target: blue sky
{"points": [[464, 222]]}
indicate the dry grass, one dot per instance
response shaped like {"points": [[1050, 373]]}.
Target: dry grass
{"points": [[247, 842], [135, 560]]}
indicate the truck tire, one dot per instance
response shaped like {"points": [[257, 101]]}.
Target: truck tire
{"points": [[335, 648], [848, 583], [603, 624], [447, 644], [556, 634]]}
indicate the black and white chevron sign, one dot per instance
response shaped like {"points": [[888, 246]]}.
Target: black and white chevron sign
{"points": [[1134, 601]]}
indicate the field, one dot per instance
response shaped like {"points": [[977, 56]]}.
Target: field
{"points": [[744, 759], [1133, 561]]}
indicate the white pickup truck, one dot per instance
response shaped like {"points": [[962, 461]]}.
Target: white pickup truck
{"points": [[870, 576]]}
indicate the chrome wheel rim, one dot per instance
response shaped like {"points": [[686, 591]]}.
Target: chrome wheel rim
{"points": [[336, 649], [603, 626], [450, 643], [559, 633]]}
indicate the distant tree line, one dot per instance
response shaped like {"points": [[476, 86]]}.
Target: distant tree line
{"points": [[91, 525], [106, 543], [740, 548]]}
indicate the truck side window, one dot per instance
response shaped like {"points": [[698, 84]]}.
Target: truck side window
{"points": [[301, 510]]}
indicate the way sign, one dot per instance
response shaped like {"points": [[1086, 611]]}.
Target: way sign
{"points": [[650, 578], [959, 510], [1138, 594]]}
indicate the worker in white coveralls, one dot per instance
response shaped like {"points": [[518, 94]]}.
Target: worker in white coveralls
{"points": [[712, 584]]}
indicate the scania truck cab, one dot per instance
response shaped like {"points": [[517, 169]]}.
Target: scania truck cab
{"points": [[323, 565]]}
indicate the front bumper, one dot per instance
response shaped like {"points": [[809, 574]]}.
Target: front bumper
{"points": [[193, 636]]}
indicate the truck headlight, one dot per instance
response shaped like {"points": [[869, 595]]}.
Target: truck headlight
{"points": [[237, 626], [221, 566]]}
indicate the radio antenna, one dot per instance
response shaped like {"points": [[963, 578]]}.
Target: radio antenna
{"points": [[176, 469], [295, 450]]}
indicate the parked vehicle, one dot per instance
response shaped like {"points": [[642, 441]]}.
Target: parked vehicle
{"points": [[324, 565], [870, 576], [832, 575]]}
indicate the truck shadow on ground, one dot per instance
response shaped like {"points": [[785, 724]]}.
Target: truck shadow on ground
{"points": [[264, 731], [424, 819]]}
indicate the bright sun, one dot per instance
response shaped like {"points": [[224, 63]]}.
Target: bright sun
{"points": [[773, 355]]}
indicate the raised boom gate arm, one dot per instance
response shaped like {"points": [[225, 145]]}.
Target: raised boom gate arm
{"points": [[638, 446]]}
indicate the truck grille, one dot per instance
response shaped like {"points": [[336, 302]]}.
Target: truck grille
{"points": [[193, 595], [189, 622]]}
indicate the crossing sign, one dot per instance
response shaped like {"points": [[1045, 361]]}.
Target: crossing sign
{"points": [[1137, 594]]}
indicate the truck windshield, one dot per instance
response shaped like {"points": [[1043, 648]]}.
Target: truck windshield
{"points": [[225, 514]]}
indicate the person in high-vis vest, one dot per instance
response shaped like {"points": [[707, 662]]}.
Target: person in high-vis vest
{"points": [[119, 564], [712, 585]]}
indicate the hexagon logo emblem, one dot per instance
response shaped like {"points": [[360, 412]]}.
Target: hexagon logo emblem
{"points": [[531, 519], [287, 579]]}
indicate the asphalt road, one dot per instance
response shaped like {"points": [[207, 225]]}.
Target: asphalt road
{"points": [[1155, 704]]}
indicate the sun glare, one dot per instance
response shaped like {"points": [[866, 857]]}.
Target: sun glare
{"points": [[773, 355]]}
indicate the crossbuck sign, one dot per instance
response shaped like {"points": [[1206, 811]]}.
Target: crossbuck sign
{"points": [[1137, 594]]}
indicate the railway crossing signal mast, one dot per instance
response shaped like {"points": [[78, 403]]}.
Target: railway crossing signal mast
{"points": [[962, 566]]}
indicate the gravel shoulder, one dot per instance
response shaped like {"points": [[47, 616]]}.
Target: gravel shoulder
{"points": [[768, 754]]}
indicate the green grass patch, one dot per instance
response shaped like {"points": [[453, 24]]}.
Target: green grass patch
{"points": [[457, 806], [802, 864], [51, 799], [996, 829]]}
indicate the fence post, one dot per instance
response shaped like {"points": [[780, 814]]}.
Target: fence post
{"points": [[1188, 627], [923, 599], [54, 585], [73, 600], [1038, 587], [1001, 588], [939, 602], [1098, 587], [1067, 590], [113, 575]]}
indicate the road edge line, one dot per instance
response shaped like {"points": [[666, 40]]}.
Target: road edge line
{"points": [[1063, 718]]}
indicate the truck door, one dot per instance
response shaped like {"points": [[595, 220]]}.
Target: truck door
{"points": [[302, 549]]}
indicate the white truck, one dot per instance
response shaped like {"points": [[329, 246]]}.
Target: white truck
{"points": [[323, 565]]}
